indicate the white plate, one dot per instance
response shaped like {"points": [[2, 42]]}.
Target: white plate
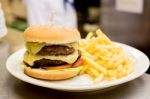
{"points": [[79, 83]]}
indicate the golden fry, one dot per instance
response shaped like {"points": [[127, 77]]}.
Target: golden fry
{"points": [[103, 59], [90, 35], [100, 33], [94, 72], [93, 64], [84, 69]]}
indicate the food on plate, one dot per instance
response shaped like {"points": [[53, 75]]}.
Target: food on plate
{"points": [[58, 53], [52, 52], [104, 59]]}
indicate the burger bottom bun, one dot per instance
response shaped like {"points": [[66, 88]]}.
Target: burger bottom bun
{"points": [[47, 75]]}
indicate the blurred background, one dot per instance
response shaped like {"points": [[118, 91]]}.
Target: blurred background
{"points": [[125, 21]]}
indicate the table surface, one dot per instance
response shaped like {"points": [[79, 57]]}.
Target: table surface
{"points": [[12, 88]]}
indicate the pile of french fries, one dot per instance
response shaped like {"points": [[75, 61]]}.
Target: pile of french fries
{"points": [[104, 59]]}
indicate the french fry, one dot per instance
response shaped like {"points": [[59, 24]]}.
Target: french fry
{"points": [[85, 53], [89, 36], [100, 33], [103, 59], [83, 69], [95, 65], [90, 73], [94, 72]]}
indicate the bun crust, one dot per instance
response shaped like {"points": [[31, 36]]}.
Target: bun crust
{"points": [[46, 75], [51, 34]]}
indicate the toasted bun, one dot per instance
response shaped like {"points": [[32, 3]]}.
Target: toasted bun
{"points": [[47, 75], [51, 34]]}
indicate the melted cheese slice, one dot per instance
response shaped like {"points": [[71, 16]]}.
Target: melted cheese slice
{"points": [[71, 58], [34, 47]]}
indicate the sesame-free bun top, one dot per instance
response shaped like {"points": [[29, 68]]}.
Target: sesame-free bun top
{"points": [[51, 34]]}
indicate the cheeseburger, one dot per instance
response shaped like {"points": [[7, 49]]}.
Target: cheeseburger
{"points": [[52, 52]]}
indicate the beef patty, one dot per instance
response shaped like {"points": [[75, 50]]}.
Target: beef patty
{"points": [[46, 63], [56, 50]]}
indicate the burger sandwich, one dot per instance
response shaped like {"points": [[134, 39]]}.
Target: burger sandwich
{"points": [[52, 52]]}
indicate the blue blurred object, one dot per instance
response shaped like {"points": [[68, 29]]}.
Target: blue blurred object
{"points": [[69, 2]]}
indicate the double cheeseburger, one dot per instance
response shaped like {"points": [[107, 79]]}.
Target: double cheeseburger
{"points": [[52, 52]]}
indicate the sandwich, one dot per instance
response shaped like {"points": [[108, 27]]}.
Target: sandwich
{"points": [[52, 52]]}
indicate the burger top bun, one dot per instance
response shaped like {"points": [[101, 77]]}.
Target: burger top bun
{"points": [[51, 34]]}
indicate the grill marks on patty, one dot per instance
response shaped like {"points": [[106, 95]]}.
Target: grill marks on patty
{"points": [[56, 50]]}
